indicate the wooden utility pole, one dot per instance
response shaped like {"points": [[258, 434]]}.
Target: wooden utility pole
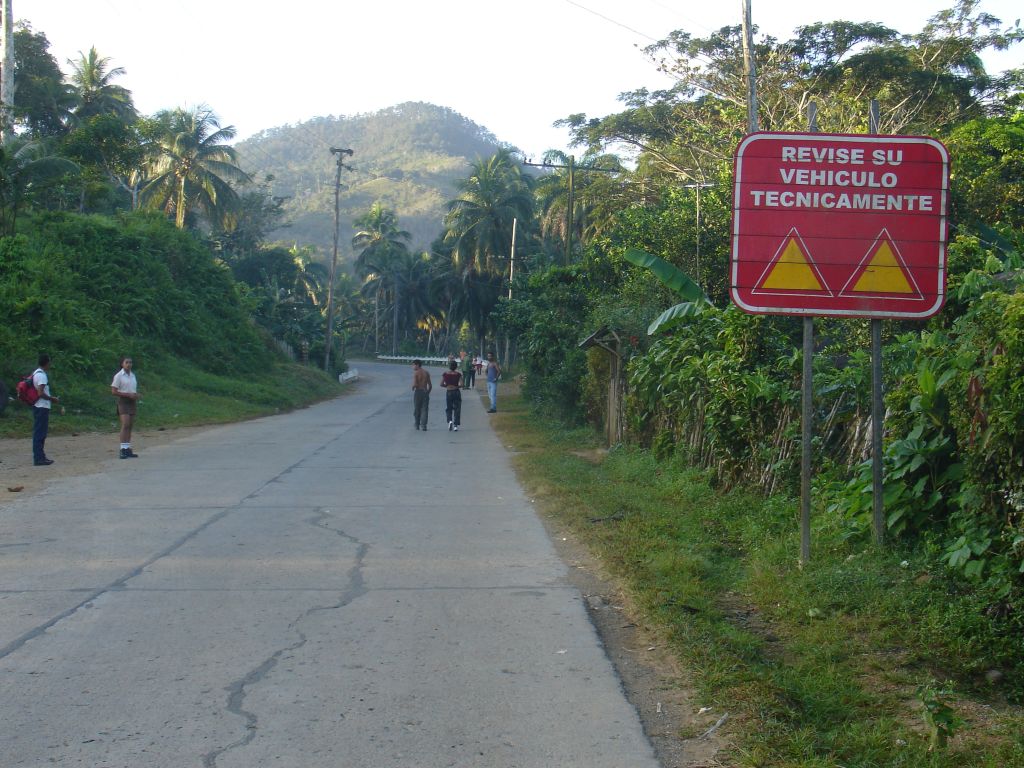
{"points": [[570, 213], [329, 334], [749, 68], [7, 74]]}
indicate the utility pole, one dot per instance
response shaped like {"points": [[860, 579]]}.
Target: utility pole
{"points": [[329, 335], [698, 186], [7, 74], [570, 213], [511, 272], [749, 68]]}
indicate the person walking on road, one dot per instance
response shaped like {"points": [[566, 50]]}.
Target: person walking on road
{"points": [[468, 372], [125, 388], [41, 412], [421, 387], [493, 374], [451, 380]]}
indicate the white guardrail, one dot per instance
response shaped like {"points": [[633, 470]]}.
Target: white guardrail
{"points": [[410, 358]]}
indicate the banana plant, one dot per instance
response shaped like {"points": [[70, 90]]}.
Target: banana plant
{"points": [[696, 301]]}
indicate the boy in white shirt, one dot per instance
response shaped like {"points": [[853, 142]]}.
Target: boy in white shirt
{"points": [[125, 388]]}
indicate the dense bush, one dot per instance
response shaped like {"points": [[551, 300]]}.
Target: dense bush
{"points": [[87, 288], [724, 389], [555, 365], [954, 455]]}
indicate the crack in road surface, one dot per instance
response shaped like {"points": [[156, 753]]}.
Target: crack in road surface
{"points": [[237, 690]]}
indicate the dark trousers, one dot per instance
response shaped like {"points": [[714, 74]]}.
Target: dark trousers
{"points": [[469, 378], [420, 406], [453, 406], [40, 428]]}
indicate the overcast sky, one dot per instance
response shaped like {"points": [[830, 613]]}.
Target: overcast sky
{"points": [[513, 67]]}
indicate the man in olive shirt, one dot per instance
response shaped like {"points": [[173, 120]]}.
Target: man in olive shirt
{"points": [[421, 387]]}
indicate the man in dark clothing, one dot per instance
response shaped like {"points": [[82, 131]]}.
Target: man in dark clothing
{"points": [[421, 387], [41, 412]]}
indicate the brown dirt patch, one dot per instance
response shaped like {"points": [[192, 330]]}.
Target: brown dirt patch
{"points": [[77, 454]]}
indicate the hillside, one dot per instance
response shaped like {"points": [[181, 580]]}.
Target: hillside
{"points": [[407, 156]]}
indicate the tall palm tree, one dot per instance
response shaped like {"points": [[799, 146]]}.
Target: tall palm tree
{"points": [[377, 237], [479, 233], [91, 77], [479, 220], [381, 245], [190, 167], [590, 191]]}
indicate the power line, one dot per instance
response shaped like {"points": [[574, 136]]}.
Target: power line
{"points": [[611, 20], [699, 57]]}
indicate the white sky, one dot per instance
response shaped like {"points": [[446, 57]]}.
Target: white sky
{"points": [[512, 67]]}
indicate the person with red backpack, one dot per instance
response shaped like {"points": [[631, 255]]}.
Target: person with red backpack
{"points": [[41, 411]]}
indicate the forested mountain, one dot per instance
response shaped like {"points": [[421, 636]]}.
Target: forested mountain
{"points": [[407, 156]]}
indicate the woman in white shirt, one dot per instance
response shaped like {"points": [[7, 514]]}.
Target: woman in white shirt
{"points": [[125, 388]]}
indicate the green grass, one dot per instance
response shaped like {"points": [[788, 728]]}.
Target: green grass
{"points": [[819, 666], [178, 394]]}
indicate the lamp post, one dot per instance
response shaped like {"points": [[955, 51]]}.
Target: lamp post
{"points": [[329, 335]]}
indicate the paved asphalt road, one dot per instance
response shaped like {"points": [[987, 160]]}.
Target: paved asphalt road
{"points": [[323, 588]]}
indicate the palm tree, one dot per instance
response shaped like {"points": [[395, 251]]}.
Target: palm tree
{"points": [[381, 245], [91, 78], [24, 170], [191, 169], [583, 186], [377, 237], [312, 278], [479, 233], [479, 220]]}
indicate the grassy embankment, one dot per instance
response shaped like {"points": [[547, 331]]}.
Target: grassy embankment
{"points": [[176, 393], [862, 658]]}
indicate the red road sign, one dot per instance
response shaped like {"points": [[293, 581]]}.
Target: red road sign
{"points": [[839, 225]]}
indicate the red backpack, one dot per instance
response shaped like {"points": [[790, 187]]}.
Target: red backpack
{"points": [[27, 391]]}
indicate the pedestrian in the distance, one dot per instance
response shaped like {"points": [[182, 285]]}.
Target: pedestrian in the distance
{"points": [[468, 371], [125, 387], [41, 411], [493, 374], [421, 387], [451, 381]]}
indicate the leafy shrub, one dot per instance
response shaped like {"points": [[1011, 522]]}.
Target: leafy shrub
{"points": [[724, 390], [87, 288]]}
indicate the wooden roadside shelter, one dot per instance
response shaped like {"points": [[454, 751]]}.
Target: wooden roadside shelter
{"points": [[608, 340]]}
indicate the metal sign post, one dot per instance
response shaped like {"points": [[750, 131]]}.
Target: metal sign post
{"points": [[877, 404]]}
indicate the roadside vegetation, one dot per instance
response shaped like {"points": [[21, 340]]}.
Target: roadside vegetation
{"points": [[864, 657]]}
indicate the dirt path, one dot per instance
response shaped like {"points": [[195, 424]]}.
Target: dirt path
{"points": [[76, 454]]}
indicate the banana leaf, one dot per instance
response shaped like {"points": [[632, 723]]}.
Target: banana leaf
{"points": [[669, 274]]}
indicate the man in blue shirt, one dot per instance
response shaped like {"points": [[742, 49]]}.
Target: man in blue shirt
{"points": [[493, 374]]}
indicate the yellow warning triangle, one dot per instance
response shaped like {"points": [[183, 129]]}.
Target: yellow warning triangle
{"points": [[883, 274], [792, 272]]}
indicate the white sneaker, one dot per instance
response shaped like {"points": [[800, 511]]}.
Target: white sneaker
{"points": [[456, 429], [451, 424]]}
